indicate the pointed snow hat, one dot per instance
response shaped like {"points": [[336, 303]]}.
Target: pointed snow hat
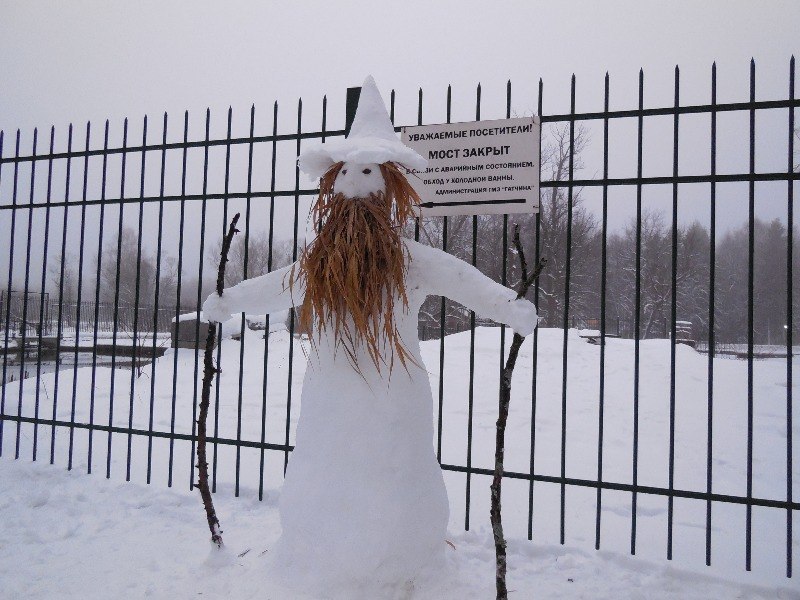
{"points": [[372, 139]]}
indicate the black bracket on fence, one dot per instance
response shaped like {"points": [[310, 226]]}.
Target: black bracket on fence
{"points": [[353, 94]]}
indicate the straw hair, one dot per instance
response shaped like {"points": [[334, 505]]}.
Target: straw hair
{"points": [[354, 271]]}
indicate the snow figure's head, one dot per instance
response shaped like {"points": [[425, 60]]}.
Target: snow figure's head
{"points": [[354, 270], [358, 180]]}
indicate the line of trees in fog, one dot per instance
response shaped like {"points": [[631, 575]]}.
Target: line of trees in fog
{"points": [[692, 270], [132, 275], [120, 269]]}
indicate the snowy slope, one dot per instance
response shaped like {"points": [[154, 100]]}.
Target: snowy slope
{"points": [[538, 560], [70, 535]]}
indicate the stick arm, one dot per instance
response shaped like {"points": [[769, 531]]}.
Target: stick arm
{"points": [[257, 296], [442, 274]]}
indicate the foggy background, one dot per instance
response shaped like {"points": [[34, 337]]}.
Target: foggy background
{"points": [[84, 62]]}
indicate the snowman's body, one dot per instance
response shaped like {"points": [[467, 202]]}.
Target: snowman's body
{"points": [[364, 498]]}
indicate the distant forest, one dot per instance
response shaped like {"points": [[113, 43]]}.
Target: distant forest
{"points": [[693, 268]]}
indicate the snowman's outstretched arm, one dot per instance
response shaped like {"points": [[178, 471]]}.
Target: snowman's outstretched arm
{"points": [[442, 274], [257, 296]]}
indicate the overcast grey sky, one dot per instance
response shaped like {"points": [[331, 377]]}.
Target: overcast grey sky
{"points": [[82, 60], [75, 61]]}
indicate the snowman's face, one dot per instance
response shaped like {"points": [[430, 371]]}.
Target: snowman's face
{"points": [[359, 180]]}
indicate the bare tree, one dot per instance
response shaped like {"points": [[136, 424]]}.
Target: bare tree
{"points": [[770, 310], [63, 265], [136, 278], [554, 229], [257, 256]]}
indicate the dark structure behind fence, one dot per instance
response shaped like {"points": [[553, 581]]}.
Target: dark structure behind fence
{"points": [[154, 312]]}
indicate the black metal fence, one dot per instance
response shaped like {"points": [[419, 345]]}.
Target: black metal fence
{"points": [[51, 205], [73, 318]]}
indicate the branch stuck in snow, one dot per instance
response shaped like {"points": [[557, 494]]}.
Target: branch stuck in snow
{"points": [[505, 399], [209, 370]]}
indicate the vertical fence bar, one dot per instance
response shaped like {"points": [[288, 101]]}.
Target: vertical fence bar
{"points": [[535, 353], [61, 293], [270, 238], [97, 283], [244, 276], [219, 327], [176, 351], [471, 396], [504, 266], [24, 326], [789, 322], [637, 312], [603, 289], [419, 122], [750, 298], [442, 316], [203, 207], [134, 338], [566, 309], [78, 299], [43, 294], [674, 315], [5, 297], [712, 250], [292, 312], [10, 282], [116, 295], [154, 333]]}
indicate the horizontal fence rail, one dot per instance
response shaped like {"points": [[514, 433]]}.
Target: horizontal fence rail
{"points": [[122, 268]]}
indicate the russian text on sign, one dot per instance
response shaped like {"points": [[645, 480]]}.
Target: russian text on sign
{"points": [[472, 150]]}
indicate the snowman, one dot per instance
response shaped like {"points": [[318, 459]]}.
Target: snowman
{"points": [[364, 499]]}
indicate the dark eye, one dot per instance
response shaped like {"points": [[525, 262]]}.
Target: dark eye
{"points": [[367, 171], [344, 171]]}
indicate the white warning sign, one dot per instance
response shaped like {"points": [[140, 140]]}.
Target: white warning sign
{"points": [[477, 168]]}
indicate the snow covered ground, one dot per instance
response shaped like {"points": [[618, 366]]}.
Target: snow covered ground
{"points": [[73, 535]]}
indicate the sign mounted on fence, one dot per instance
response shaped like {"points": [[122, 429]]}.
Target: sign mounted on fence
{"points": [[477, 168]]}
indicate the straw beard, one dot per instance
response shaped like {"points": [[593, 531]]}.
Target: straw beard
{"points": [[354, 271]]}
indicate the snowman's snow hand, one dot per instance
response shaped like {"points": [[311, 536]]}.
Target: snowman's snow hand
{"points": [[451, 544]]}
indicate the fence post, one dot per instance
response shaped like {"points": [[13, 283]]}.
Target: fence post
{"points": [[353, 94]]}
